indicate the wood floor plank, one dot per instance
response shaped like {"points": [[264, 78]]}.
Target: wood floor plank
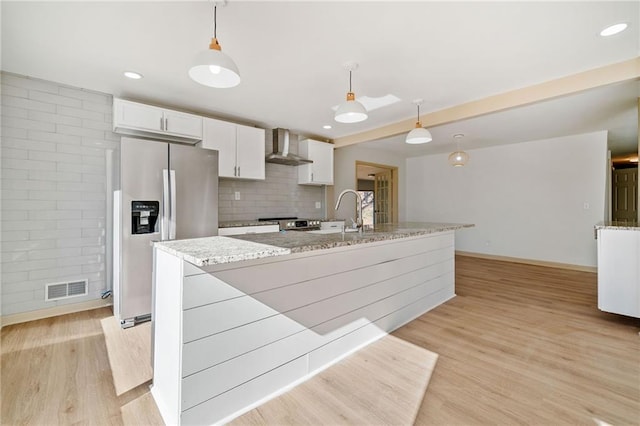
{"points": [[520, 344], [129, 353], [527, 344], [383, 383]]}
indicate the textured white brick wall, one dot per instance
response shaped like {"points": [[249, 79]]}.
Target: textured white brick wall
{"points": [[54, 139]]}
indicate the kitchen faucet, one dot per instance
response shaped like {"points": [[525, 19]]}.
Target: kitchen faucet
{"points": [[359, 207]]}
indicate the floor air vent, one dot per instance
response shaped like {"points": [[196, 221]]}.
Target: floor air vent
{"points": [[56, 291]]}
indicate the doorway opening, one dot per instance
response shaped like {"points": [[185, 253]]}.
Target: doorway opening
{"points": [[624, 188], [378, 186]]}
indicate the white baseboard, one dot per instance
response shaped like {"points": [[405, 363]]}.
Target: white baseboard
{"points": [[569, 266], [53, 312]]}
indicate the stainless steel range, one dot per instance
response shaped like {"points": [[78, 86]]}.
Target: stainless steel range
{"points": [[294, 223]]}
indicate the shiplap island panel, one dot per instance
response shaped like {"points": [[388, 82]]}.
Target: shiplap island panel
{"points": [[230, 334]]}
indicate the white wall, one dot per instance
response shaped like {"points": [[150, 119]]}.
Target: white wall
{"points": [[345, 177], [527, 200]]}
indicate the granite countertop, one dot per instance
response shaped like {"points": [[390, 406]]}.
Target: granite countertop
{"points": [[236, 223], [619, 225], [300, 241], [216, 250]]}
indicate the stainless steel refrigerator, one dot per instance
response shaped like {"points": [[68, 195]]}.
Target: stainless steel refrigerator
{"points": [[167, 191]]}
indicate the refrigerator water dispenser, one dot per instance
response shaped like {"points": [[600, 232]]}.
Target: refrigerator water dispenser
{"points": [[144, 215]]}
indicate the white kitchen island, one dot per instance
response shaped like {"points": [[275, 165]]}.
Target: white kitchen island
{"points": [[239, 320], [619, 267]]}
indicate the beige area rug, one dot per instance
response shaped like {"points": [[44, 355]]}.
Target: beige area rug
{"points": [[129, 354], [383, 383]]}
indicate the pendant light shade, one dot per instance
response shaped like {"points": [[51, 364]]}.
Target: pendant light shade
{"points": [[351, 111], [212, 67], [419, 134], [458, 158]]}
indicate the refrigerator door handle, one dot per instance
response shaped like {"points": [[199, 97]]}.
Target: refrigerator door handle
{"points": [[172, 223], [164, 224]]}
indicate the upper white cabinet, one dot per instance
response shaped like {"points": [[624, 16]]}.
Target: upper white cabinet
{"points": [[137, 119], [320, 172], [241, 149]]}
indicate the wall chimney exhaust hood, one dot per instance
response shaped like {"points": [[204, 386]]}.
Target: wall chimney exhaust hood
{"points": [[283, 156]]}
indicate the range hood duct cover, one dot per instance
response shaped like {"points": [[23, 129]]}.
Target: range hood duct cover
{"points": [[283, 156]]}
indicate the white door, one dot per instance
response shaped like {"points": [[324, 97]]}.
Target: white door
{"points": [[250, 152], [221, 136]]}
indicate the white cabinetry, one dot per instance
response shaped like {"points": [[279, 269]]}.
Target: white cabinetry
{"points": [[619, 271], [240, 148], [137, 119], [320, 172], [243, 230]]}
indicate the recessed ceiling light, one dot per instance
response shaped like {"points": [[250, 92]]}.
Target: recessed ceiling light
{"points": [[133, 75], [613, 29], [326, 126]]}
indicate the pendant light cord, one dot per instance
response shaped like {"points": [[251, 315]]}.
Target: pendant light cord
{"points": [[215, 12], [418, 112], [350, 81]]}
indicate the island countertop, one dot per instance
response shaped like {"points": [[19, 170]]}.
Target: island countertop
{"points": [[302, 241], [218, 250], [619, 225]]}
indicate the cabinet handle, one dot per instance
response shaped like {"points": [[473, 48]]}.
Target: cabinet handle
{"points": [[311, 177], [161, 123], [166, 124], [235, 171], [238, 171]]}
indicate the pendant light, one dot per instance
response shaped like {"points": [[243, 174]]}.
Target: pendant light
{"points": [[212, 67], [458, 158], [419, 134], [351, 111]]}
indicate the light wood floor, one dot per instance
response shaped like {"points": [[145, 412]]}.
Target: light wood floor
{"points": [[519, 344]]}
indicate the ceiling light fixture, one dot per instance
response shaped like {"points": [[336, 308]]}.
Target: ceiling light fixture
{"points": [[419, 134], [350, 111], [326, 126], [212, 67], [458, 158], [613, 29], [133, 75]]}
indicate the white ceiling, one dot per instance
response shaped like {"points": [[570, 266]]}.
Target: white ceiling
{"points": [[291, 56]]}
